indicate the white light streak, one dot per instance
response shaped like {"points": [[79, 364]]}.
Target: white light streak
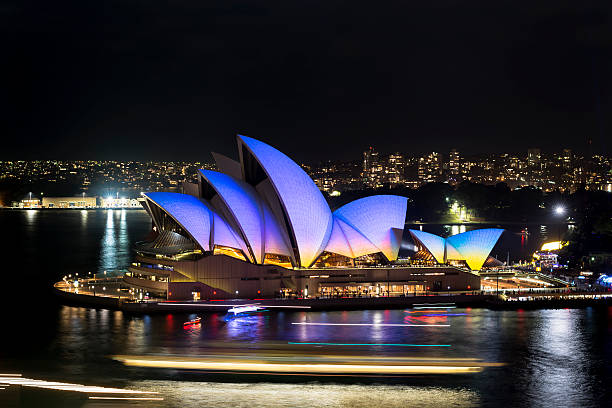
{"points": [[371, 324], [434, 307], [53, 385], [129, 398]]}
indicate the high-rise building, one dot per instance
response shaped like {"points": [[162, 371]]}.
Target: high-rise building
{"points": [[430, 167], [567, 158], [454, 166], [372, 168], [534, 157], [394, 173]]}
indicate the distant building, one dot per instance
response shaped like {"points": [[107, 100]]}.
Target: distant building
{"points": [[567, 158], [111, 202], [430, 167], [534, 157], [31, 203], [372, 168], [454, 167], [394, 173], [454, 162], [69, 202]]}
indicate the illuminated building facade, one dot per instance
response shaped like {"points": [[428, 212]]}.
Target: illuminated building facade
{"points": [[372, 168], [534, 157], [454, 166], [260, 227], [430, 167], [70, 202], [394, 171]]}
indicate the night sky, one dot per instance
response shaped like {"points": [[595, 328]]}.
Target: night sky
{"points": [[173, 80]]}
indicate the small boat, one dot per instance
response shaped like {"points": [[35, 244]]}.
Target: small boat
{"points": [[243, 309], [193, 322]]}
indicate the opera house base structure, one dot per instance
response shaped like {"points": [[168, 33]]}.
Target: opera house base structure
{"points": [[223, 277], [260, 228]]}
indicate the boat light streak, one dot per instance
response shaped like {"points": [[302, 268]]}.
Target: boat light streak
{"points": [[371, 324], [371, 344], [444, 315], [434, 307], [424, 311], [303, 368]]}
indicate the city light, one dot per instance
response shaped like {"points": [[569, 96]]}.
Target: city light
{"points": [[559, 210]]}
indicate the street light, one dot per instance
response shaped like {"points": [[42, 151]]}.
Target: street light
{"points": [[559, 210]]}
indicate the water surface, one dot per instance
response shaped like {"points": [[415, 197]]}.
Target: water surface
{"points": [[552, 357]]}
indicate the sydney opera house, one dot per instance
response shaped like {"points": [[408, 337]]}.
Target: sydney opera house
{"points": [[260, 227]]}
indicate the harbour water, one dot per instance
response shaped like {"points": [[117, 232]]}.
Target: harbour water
{"points": [[550, 357]]}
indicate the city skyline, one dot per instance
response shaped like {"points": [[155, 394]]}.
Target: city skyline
{"points": [[563, 171]]}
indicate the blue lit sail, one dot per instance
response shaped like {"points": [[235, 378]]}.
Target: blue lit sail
{"points": [[189, 212], [346, 240], [224, 235], [308, 214], [337, 242], [452, 253], [276, 241], [242, 203], [476, 245], [378, 218], [433, 243]]}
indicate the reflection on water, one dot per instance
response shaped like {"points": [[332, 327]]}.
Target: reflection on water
{"points": [[547, 353], [457, 229], [246, 328], [30, 222], [557, 364], [249, 395], [115, 242], [544, 232]]}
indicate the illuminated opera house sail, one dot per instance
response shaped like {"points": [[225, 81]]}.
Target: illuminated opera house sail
{"points": [[260, 226], [473, 247]]}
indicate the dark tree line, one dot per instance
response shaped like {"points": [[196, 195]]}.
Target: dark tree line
{"points": [[498, 203]]}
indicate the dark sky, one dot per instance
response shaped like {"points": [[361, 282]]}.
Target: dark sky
{"points": [[318, 79]]}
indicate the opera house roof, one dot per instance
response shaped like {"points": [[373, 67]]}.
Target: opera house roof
{"points": [[266, 204], [473, 247], [265, 207]]}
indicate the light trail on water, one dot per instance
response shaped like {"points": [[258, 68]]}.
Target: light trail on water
{"points": [[371, 324], [371, 344]]}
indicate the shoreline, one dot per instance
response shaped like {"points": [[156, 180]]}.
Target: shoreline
{"points": [[492, 302], [546, 221]]}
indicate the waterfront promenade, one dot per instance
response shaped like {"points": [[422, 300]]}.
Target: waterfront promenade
{"points": [[113, 297]]}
